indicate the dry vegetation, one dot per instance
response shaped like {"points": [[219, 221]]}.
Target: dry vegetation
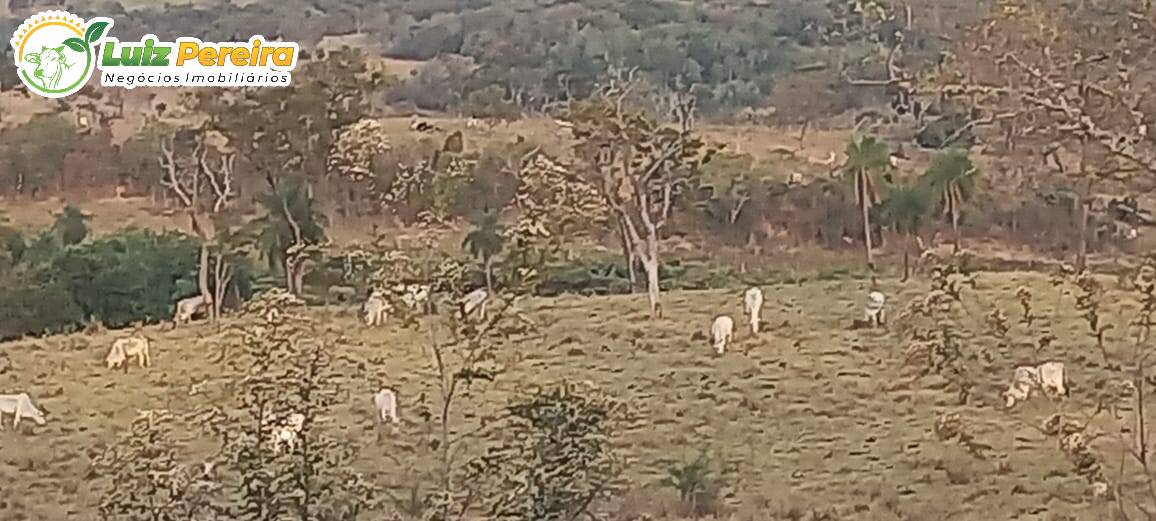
{"points": [[807, 419]]}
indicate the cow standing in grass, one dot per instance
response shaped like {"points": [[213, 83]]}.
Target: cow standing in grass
{"points": [[722, 331]]}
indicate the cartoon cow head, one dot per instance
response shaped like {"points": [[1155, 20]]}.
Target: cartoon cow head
{"points": [[50, 64]]}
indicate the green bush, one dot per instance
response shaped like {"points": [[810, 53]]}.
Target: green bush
{"points": [[133, 275], [31, 307]]}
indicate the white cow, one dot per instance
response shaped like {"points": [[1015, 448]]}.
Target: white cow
{"points": [[191, 307], [873, 312], [375, 309], [721, 333], [414, 296], [20, 406], [124, 348], [474, 300], [386, 402], [286, 434], [753, 304], [1049, 378]]}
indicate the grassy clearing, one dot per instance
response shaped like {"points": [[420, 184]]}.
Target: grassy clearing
{"points": [[798, 417]]}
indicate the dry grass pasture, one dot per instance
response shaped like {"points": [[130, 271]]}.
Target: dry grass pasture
{"points": [[806, 415]]}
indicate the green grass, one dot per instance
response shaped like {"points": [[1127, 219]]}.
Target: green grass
{"points": [[798, 417]]}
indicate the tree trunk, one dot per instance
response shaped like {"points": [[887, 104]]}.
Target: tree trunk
{"points": [[865, 208], [652, 289], [906, 257], [650, 263], [203, 277], [1082, 245], [1085, 201], [489, 275], [628, 253], [955, 227], [290, 277]]}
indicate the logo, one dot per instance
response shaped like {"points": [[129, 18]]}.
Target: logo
{"points": [[57, 52]]}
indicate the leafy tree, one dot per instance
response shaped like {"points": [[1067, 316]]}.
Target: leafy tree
{"points": [[485, 241], [694, 480], [865, 158], [952, 178], [33, 152], [12, 245], [905, 208], [1084, 117], [71, 225], [560, 460], [639, 166], [29, 306], [291, 218], [126, 277]]}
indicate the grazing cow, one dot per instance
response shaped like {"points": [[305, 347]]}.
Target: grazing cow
{"points": [[50, 65], [285, 435], [191, 307], [873, 312], [124, 348], [474, 300], [375, 309], [386, 402], [414, 296], [474, 123], [1053, 378], [20, 406], [1050, 378], [721, 333], [753, 304]]}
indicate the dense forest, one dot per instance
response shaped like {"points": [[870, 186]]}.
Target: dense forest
{"points": [[532, 54]]}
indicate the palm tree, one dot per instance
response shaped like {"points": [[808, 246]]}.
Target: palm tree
{"points": [[905, 208], [485, 241], [952, 178], [865, 158]]}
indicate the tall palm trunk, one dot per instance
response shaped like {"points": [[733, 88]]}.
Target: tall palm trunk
{"points": [[865, 207], [953, 207], [489, 262]]}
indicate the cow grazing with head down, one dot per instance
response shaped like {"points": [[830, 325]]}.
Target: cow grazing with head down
{"points": [[50, 65], [19, 406], [191, 307], [136, 346]]}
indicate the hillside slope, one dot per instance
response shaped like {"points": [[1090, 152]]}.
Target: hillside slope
{"points": [[806, 415]]}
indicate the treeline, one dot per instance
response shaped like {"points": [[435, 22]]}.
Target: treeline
{"points": [[486, 56], [59, 278]]}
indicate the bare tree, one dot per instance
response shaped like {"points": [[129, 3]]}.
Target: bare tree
{"points": [[205, 191], [1063, 80], [639, 166]]}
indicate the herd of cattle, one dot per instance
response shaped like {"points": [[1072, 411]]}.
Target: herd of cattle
{"points": [[1049, 378]]}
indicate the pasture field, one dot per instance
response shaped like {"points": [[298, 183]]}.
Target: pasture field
{"points": [[809, 414]]}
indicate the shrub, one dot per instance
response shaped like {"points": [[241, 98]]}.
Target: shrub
{"points": [[29, 307], [130, 276]]}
